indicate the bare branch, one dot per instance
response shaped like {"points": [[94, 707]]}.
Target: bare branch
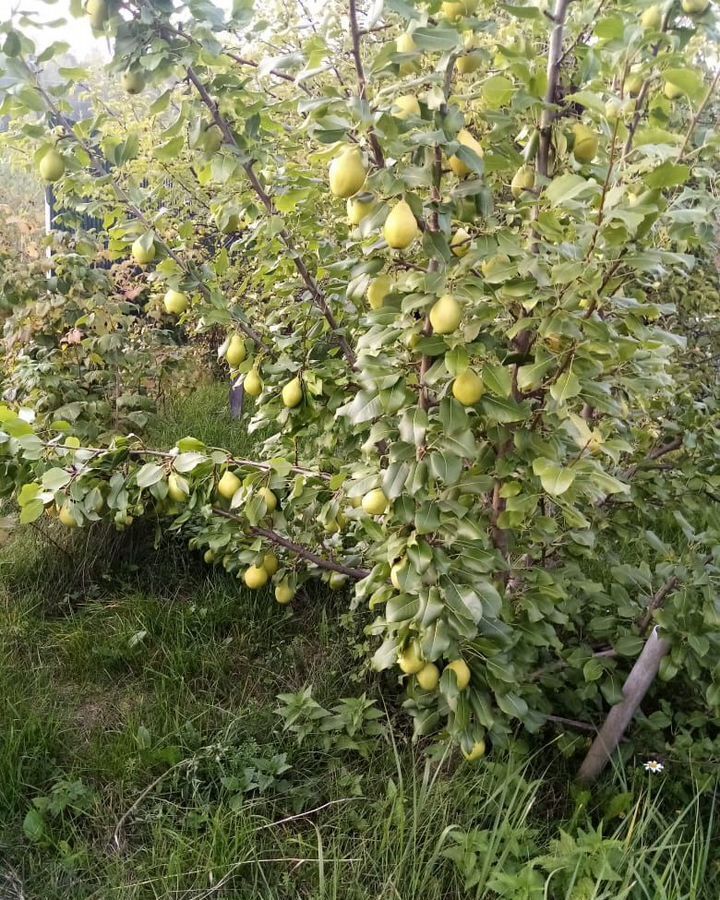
{"points": [[553, 77], [362, 82]]}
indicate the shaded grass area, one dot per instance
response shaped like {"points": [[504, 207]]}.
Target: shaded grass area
{"points": [[141, 755]]}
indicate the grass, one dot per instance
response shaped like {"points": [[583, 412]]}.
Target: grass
{"points": [[141, 755]]}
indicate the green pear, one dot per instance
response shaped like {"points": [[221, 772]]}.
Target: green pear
{"points": [[378, 289], [460, 168], [52, 166], [235, 353], [586, 143], [445, 315], [523, 180], [133, 81], [175, 302], [468, 388], [400, 228], [98, 12], [292, 393], [141, 255], [406, 106], [347, 173]]}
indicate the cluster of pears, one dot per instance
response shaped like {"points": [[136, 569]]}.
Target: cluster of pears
{"points": [[411, 662]]}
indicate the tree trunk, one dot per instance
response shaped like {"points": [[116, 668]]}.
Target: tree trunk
{"points": [[636, 686]]}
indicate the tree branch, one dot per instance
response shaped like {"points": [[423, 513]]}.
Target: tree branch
{"points": [[312, 286], [298, 549], [553, 76], [636, 685], [362, 83]]}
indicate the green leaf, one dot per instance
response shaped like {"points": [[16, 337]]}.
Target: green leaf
{"points": [[438, 38], [148, 475], [497, 91], [668, 175], [402, 608], [498, 380], [689, 81], [512, 705], [435, 640], [34, 825], [593, 670], [629, 645], [186, 462], [554, 478], [31, 512], [531, 376], [566, 387], [567, 187], [504, 410], [171, 149]]}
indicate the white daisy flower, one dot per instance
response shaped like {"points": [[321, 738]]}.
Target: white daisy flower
{"points": [[654, 766]]}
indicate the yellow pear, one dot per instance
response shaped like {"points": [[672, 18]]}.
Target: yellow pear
{"points": [[468, 388], [228, 485], [672, 91], [177, 488], [400, 228], [586, 143], [292, 393], [404, 43], [235, 353], [523, 180], [209, 556], [445, 315], [396, 571], [175, 302], [428, 677], [633, 84], [410, 659], [255, 577], [284, 593], [471, 62], [651, 19], [253, 383], [270, 563], [133, 82], [52, 166], [347, 173], [66, 517], [374, 503], [212, 139], [378, 289], [462, 673], [460, 168], [695, 7], [357, 210], [405, 106], [98, 12], [477, 752], [337, 581], [270, 499], [452, 10], [142, 256], [460, 242]]}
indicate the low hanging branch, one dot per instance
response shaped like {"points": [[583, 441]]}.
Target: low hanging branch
{"points": [[280, 540]]}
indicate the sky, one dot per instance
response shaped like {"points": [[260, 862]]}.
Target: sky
{"points": [[76, 32]]}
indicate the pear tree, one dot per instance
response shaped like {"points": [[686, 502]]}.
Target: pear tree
{"points": [[449, 227]]}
